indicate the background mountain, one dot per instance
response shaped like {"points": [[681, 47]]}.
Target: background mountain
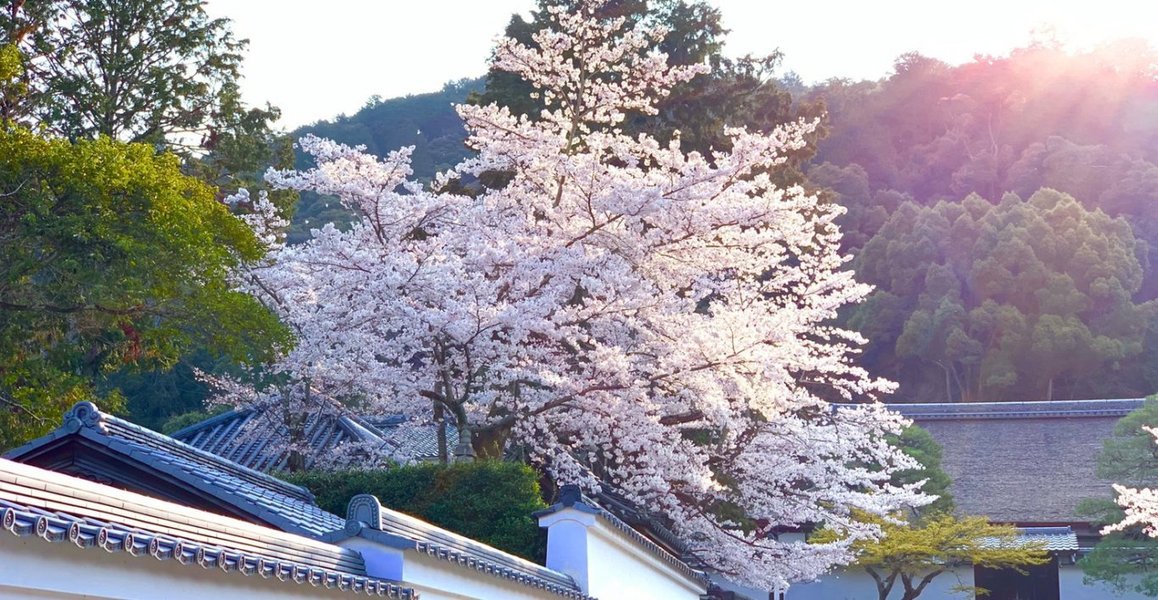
{"points": [[426, 121]]}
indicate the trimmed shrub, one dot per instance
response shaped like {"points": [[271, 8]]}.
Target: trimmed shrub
{"points": [[489, 501]]}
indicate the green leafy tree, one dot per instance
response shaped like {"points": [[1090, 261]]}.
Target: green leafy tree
{"points": [[919, 444], [1022, 299], [737, 91], [916, 554], [137, 70], [11, 88], [910, 555], [489, 501], [111, 258], [1126, 561], [997, 124], [160, 72]]}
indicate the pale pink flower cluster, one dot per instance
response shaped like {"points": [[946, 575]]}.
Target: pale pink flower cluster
{"points": [[620, 310], [1141, 506]]}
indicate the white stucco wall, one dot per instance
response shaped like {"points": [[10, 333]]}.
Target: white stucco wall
{"points": [[857, 585], [437, 579], [620, 569], [31, 568], [607, 563], [1073, 588]]}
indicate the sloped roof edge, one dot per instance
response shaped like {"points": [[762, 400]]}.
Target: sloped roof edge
{"points": [[1037, 409], [367, 518], [570, 496], [58, 508], [287, 506], [86, 415]]}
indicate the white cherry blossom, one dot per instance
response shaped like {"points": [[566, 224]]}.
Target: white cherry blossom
{"points": [[619, 310]]}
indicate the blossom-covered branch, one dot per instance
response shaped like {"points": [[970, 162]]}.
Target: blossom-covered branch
{"points": [[618, 310], [1141, 506]]}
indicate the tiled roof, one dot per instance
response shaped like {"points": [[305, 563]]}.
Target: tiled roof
{"points": [[244, 437], [1022, 462], [1051, 539], [282, 505], [368, 518], [59, 508], [1116, 408], [419, 441], [412, 440], [570, 496]]}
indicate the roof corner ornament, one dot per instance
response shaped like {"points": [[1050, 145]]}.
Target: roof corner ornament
{"points": [[84, 414], [364, 510], [570, 495]]}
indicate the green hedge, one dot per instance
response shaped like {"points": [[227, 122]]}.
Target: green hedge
{"points": [[488, 501]]}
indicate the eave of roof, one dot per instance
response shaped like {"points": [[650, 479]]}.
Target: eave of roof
{"points": [[266, 498], [58, 508], [1019, 410], [1050, 539]]}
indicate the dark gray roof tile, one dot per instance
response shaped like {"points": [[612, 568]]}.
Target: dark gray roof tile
{"points": [[289, 507], [57, 507], [244, 436]]}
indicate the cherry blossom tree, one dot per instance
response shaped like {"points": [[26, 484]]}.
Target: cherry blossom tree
{"points": [[617, 311], [1141, 505]]}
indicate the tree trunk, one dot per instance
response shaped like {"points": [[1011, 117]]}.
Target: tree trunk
{"points": [[884, 585], [295, 462], [948, 381], [440, 420], [948, 386], [490, 442]]}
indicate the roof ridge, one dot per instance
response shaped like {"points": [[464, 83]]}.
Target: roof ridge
{"points": [[470, 543], [1032, 409], [365, 516]]}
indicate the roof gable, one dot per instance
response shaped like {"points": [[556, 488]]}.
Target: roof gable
{"points": [[243, 436], [174, 470]]}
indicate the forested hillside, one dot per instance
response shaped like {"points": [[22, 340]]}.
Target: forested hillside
{"points": [[990, 287], [426, 121]]}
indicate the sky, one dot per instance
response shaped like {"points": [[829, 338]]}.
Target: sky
{"points": [[316, 60]]}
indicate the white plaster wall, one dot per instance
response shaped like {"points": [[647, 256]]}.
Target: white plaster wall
{"points": [[857, 585], [1073, 588], [32, 568], [437, 579], [619, 569]]}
